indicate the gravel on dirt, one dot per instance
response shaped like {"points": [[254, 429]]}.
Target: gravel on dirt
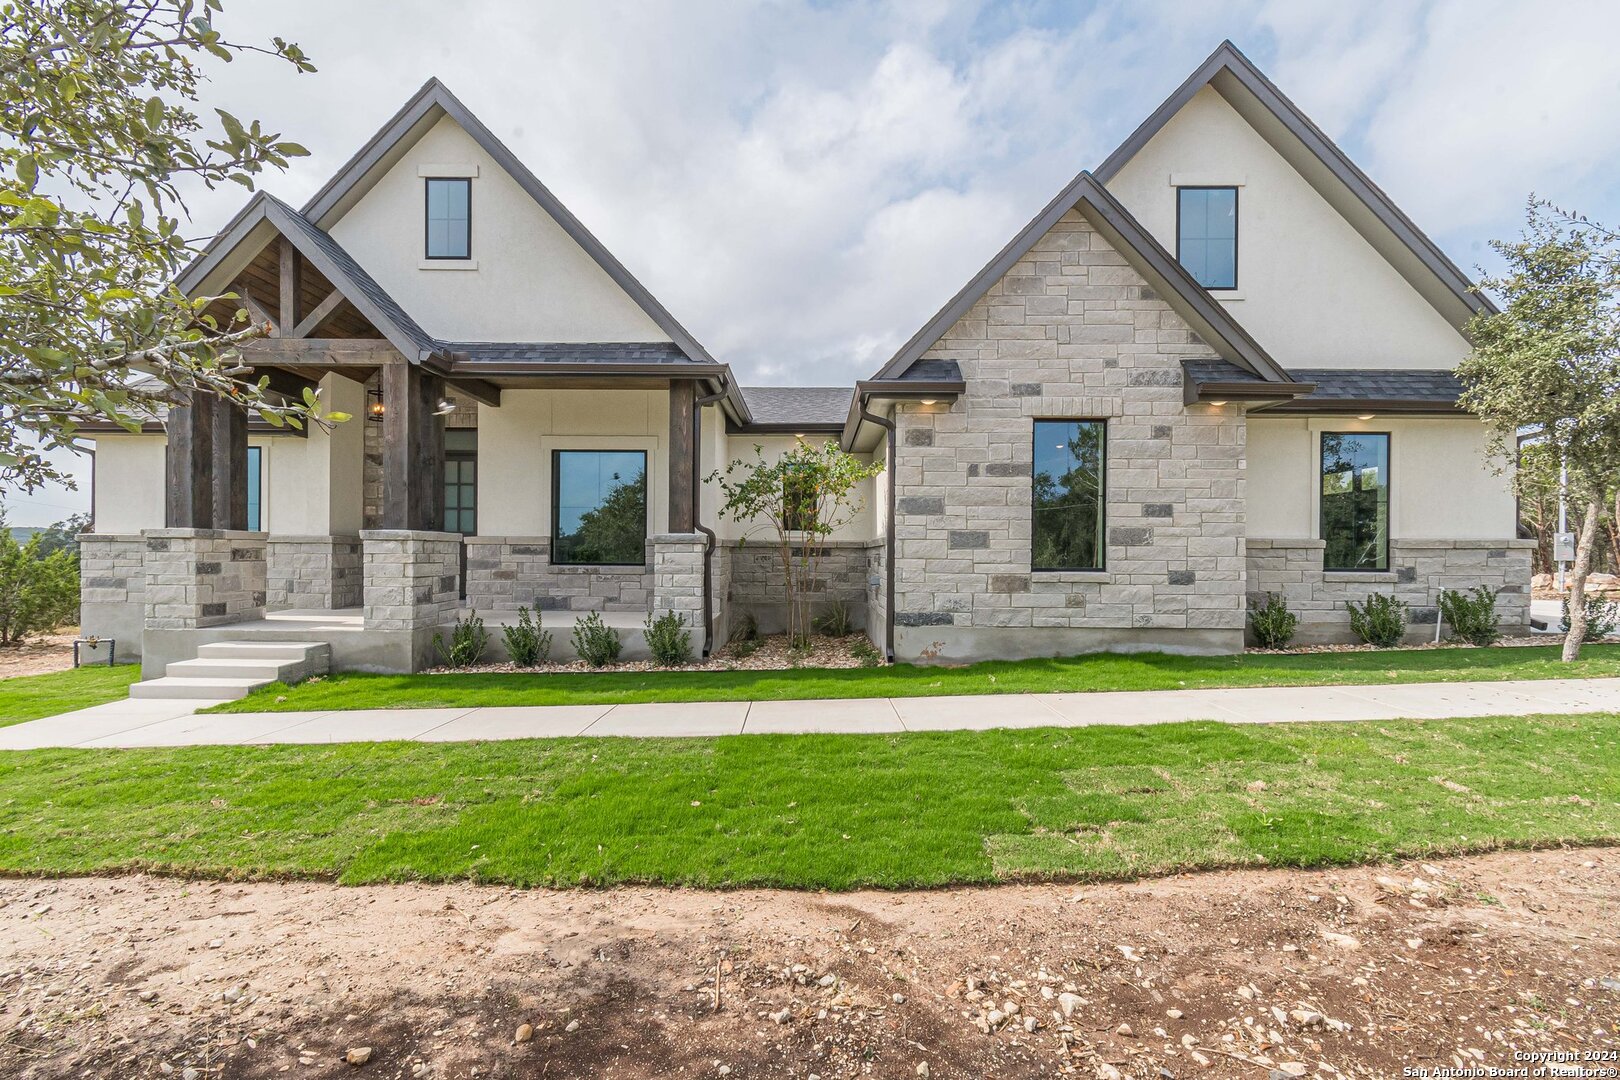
{"points": [[1457, 963]]}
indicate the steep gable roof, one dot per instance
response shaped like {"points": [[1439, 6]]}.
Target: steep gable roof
{"points": [[430, 104], [327, 256], [1293, 135], [1205, 314]]}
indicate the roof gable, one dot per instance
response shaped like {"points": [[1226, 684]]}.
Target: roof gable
{"points": [[430, 105], [1085, 194], [1299, 141]]}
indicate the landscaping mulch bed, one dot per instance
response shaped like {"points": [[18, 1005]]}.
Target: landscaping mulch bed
{"points": [[769, 654], [1521, 642]]}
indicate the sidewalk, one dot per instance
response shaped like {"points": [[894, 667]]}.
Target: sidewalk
{"points": [[174, 723]]}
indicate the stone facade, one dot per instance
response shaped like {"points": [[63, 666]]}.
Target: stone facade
{"points": [[320, 572], [1419, 570], [412, 579], [203, 577], [678, 575], [757, 583], [505, 573], [1070, 332], [112, 589]]}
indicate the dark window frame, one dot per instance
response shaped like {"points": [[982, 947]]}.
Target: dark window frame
{"points": [[1102, 499], [1237, 224], [427, 249], [1321, 501], [556, 492]]}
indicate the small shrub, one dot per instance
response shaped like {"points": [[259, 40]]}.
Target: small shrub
{"points": [[668, 639], [1472, 614], [1602, 617], [1274, 625], [1380, 620], [836, 621], [868, 654], [38, 591], [596, 642], [526, 644], [468, 640], [746, 628]]}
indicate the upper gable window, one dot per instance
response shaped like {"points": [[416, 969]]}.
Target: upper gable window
{"points": [[1206, 234], [449, 218]]}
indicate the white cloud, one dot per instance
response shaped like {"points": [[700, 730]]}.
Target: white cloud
{"points": [[803, 184]]}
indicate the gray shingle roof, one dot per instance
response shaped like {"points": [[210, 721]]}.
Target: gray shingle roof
{"points": [[1212, 369], [551, 352], [810, 405], [1371, 384], [933, 371]]}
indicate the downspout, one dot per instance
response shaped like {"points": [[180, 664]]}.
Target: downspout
{"points": [[697, 513], [888, 539]]}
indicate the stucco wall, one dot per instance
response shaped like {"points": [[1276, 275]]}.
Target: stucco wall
{"points": [[1442, 486], [1070, 332], [1314, 292], [312, 486], [861, 510], [515, 442], [527, 279], [129, 483]]}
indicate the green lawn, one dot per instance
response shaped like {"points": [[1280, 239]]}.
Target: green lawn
{"points": [[30, 697], [820, 811], [1101, 671]]}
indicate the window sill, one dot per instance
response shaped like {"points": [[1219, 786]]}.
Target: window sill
{"points": [[447, 264], [1363, 576], [1073, 577], [1227, 294]]}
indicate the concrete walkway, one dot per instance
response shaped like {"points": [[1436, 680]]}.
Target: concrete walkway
{"points": [[174, 723]]}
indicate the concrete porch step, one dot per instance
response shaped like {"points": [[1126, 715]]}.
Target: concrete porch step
{"points": [[230, 669]]}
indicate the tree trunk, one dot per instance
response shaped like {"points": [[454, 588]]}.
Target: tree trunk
{"points": [[1577, 584]]}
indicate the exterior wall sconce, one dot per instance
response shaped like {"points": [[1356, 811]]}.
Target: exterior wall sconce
{"points": [[444, 408], [374, 405], [1366, 416]]}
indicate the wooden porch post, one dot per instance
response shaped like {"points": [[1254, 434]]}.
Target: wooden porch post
{"points": [[682, 467], [413, 449], [229, 463], [188, 460]]}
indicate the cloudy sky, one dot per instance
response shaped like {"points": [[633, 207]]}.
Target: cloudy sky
{"points": [[803, 184]]}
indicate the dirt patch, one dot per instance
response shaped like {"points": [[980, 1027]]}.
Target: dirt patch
{"points": [[41, 656], [1255, 974]]}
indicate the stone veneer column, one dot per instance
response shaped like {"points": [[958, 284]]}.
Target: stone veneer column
{"points": [[678, 576], [203, 577], [317, 572], [112, 589], [412, 578]]}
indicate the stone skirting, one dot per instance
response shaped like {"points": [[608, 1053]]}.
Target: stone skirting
{"points": [[112, 589], [505, 573], [757, 585], [412, 579], [203, 577], [1419, 569], [320, 572]]}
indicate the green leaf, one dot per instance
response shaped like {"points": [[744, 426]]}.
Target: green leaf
{"points": [[27, 171], [272, 418]]}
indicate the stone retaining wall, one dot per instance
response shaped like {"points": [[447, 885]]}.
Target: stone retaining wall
{"points": [[1292, 568], [505, 573], [321, 572], [203, 577]]}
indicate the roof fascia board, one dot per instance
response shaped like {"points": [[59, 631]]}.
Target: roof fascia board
{"points": [[1227, 70], [1145, 254], [412, 121]]}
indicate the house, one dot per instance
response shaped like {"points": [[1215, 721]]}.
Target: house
{"points": [[1217, 366]]}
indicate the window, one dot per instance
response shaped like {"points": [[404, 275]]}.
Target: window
{"points": [[1355, 501], [449, 218], [1068, 494], [254, 487], [461, 481], [599, 507], [800, 506], [1206, 235]]}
